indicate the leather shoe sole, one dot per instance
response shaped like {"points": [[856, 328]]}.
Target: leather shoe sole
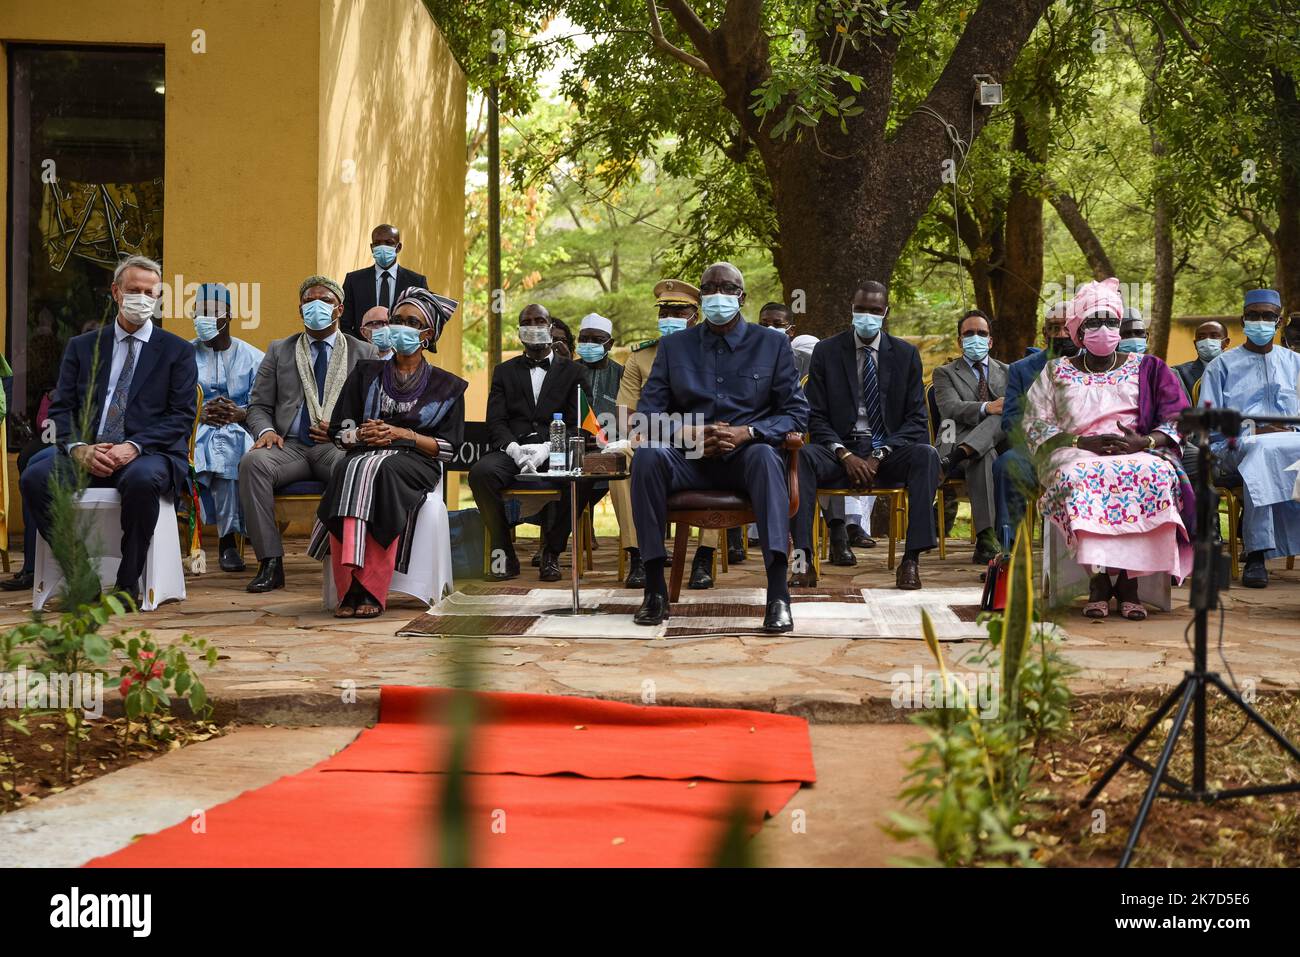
{"points": [[778, 617]]}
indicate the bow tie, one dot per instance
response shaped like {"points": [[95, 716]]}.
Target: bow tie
{"points": [[538, 363]]}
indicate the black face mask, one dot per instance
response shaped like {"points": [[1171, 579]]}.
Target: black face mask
{"points": [[1062, 346]]}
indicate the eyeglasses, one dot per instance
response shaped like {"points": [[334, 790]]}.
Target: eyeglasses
{"points": [[1096, 322], [1263, 316], [409, 321], [726, 288]]}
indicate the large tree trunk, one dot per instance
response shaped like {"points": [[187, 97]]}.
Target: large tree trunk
{"points": [[846, 203], [1287, 235], [1019, 277], [1162, 299]]}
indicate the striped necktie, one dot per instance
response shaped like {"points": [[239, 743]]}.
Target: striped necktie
{"points": [[115, 422], [871, 398]]}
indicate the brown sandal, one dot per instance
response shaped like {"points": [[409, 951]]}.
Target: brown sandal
{"points": [[368, 609]]}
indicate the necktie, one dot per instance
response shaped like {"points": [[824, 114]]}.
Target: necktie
{"points": [[384, 295], [320, 365], [115, 423], [983, 383], [871, 399]]}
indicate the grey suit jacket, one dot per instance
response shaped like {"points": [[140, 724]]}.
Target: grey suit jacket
{"points": [[956, 393], [277, 396]]}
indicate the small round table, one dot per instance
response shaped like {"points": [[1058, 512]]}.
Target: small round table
{"points": [[574, 480]]}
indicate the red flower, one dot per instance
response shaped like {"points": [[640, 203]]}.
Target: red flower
{"points": [[156, 671]]}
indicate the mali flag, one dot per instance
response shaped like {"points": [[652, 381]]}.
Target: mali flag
{"points": [[587, 419]]}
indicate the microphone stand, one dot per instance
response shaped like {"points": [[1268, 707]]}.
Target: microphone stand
{"points": [[1209, 575]]}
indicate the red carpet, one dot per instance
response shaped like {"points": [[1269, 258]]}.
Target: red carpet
{"points": [[556, 781]]}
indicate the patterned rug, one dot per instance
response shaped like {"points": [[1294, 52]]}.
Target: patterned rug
{"points": [[485, 610]]}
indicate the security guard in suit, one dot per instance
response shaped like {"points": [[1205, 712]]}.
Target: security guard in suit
{"points": [[679, 306]]}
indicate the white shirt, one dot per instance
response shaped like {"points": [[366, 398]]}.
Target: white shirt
{"points": [[538, 375], [120, 348], [392, 284]]}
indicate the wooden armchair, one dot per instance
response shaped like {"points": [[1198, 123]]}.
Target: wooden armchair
{"points": [[710, 508]]}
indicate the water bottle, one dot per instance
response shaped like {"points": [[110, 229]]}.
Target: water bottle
{"points": [[558, 450]]}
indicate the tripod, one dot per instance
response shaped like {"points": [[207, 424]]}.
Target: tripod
{"points": [[1209, 574]]}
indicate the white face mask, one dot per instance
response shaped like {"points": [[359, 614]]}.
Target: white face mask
{"points": [[138, 307], [535, 335]]}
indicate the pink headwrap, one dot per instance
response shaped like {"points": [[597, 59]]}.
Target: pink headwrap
{"points": [[1092, 298]]}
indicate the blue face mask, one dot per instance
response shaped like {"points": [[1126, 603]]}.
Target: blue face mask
{"points": [[867, 325], [975, 348], [591, 351], [382, 338], [206, 327], [1209, 349], [317, 314], [1132, 345], [1260, 331], [719, 308], [385, 256], [670, 324], [404, 340]]}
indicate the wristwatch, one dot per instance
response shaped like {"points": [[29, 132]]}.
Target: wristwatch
{"points": [[880, 453]]}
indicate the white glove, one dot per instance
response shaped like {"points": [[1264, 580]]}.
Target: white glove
{"points": [[618, 446], [534, 457], [516, 452]]}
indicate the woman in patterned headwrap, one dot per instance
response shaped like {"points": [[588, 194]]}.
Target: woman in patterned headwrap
{"points": [[1103, 425], [398, 420]]}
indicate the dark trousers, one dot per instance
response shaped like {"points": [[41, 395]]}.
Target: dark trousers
{"points": [[32, 452], [1013, 479], [140, 483], [914, 467], [493, 474], [754, 468]]}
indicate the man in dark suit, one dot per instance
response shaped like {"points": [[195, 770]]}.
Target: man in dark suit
{"points": [[1013, 471], [868, 425], [1211, 342], [727, 392], [142, 407], [377, 285], [526, 393]]}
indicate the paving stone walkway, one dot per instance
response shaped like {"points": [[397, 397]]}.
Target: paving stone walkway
{"points": [[285, 660]]}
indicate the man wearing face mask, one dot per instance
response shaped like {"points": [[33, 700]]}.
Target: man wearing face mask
{"points": [[227, 369], [679, 307], [1014, 477], [374, 329], [869, 426], [144, 397], [968, 392], [1256, 379], [289, 418], [377, 285], [526, 393], [1211, 342], [777, 315], [1132, 332], [739, 380]]}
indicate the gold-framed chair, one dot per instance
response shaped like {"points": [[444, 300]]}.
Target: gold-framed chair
{"points": [[947, 483], [4, 496], [897, 525]]}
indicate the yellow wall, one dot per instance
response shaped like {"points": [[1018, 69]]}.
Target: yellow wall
{"points": [[241, 134], [392, 135]]}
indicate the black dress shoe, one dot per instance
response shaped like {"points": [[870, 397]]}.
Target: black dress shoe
{"points": [[21, 581], [537, 558], [510, 571], [778, 617], [653, 610], [270, 576], [805, 579], [983, 556], [635, 572], [550, 567], [230, 560], [1255, 574], [841, 553], [701, 576], [909, 575]]}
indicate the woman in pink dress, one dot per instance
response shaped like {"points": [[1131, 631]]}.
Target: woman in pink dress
{"points": [[1102, 426]]}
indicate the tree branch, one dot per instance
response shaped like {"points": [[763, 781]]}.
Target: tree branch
{"points": [[1067, 207], [662, 42]]}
